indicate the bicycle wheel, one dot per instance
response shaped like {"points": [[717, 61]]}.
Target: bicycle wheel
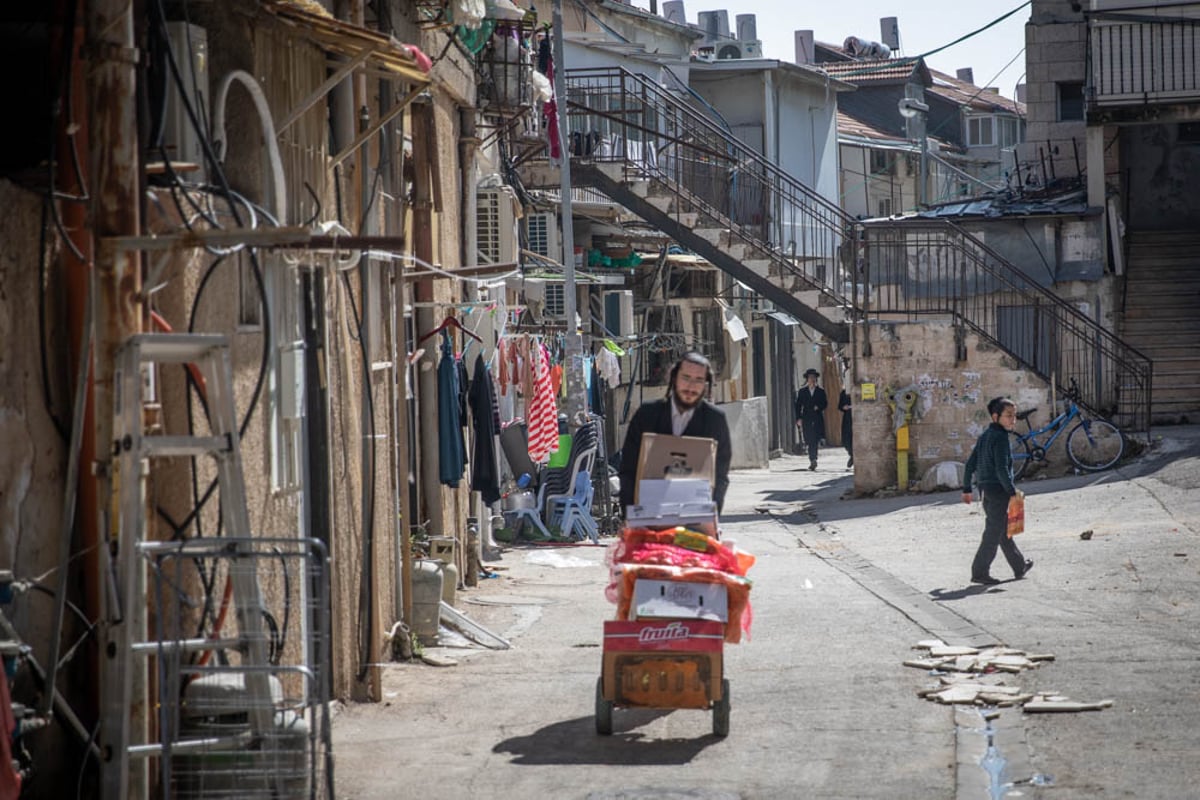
{"points": [[1020, 454], [1095, 445]]}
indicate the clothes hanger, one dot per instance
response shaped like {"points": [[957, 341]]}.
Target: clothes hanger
{"points": [[450, 322]]}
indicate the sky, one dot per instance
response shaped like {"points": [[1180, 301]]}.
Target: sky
{"points": [[924, 26]]}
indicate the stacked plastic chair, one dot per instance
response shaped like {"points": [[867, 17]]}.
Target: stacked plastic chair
{"points": [[572, 514], [560, 484]]}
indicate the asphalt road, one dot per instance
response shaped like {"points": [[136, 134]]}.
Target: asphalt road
{"points": [[822, 706]]}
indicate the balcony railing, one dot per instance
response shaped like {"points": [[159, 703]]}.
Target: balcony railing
{"points": [[1140, 60]]}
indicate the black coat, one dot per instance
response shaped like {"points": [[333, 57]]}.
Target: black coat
{"points": [[810, 407], [655, 417]]}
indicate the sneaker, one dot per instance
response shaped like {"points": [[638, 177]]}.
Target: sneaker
{"points": [[986, 580], [812, 467], [1024, 572]]}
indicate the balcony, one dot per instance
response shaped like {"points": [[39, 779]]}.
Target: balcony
{"points": [[1141, 62]]}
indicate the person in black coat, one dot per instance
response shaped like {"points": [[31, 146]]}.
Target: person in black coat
{"points": [[811, 403], [847, 426], [685, 411]]}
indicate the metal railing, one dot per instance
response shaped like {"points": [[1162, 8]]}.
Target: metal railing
{"points": [[616, 116], [911, 268], [918, 268], [1139, 59]]}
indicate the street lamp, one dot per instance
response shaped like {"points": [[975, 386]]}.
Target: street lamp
{"points": [[916, 111]]}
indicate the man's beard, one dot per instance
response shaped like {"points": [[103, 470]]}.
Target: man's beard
{"points": [[682, 404]]}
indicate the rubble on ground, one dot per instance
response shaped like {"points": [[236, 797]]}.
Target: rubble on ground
{"points": [[977, 676]]}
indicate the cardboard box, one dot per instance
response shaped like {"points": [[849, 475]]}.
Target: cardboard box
{"points": [[657, 492], [676, 635], [670, 457], [679, 600], [663, 664]]}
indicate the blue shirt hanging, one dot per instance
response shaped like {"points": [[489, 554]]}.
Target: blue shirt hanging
{"points": [[451, 448]]}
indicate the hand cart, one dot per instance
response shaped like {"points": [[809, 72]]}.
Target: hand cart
{"points": [[663, 663]]}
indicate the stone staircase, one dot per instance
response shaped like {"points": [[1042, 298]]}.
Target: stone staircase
{"points": [[1162, 318]]}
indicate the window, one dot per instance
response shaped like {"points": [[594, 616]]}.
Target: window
{"points": [[1070, 101], [556, 300], [659, 360], [881, 162], [885, 206], [1008, 131], [979, 132], [708, 331]]}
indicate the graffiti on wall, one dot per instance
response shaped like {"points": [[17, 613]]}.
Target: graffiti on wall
{"points": [[961, 391]]}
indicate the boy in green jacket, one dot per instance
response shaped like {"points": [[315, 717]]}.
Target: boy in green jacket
{"points": [[992, 460]]}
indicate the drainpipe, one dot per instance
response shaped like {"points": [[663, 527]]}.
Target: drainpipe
{"points": [[424, 142], [468, 142], [115, 211], [77, 276]]}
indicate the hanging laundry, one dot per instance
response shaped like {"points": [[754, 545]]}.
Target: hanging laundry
{"points": [[542, 417], [556, 381], [485, 471], [596, 390], [609, 367], [502, 372], [451, 448], [550, 114]]}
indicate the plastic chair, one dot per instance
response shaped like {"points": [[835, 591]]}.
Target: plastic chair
{"points": [[572, 513], [561, 480]]}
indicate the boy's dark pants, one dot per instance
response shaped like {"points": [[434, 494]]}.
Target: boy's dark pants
{"points": [[995, 534]]}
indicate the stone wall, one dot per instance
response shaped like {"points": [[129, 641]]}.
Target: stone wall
{"points": [[952, 395]]}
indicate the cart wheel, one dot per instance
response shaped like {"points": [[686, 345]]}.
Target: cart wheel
{"points": [[604, 709], [721, 711]]}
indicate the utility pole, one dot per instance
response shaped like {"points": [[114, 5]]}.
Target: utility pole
{"points": [[576, 388], [115, 211]]}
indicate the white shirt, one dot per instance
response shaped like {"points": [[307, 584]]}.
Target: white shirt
{"points": [[680, 419]]}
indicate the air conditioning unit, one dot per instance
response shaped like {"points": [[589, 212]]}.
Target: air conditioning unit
{"points": [[496, 225], [734, 50], [189, 43], [541, 231], [618, 312]]}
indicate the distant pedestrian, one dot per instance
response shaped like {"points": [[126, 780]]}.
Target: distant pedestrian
{"points": [[992, 460], [811, 403], [847, 427]]}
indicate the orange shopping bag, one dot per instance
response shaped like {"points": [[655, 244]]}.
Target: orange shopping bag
{"points": [[1016, 514]]}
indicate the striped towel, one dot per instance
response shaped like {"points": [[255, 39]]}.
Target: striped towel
{"points": [[543, 414]]}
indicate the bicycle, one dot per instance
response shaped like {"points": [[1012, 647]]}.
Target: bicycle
{"points": [[1092, 445]]}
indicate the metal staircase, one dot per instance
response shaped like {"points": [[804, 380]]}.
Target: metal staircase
{"points": [[673, 165]]}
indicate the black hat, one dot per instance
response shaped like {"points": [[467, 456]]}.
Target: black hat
{"points": [[811, 371]]}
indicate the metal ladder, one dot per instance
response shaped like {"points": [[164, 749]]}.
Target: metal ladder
{"points": [[125, 706]]}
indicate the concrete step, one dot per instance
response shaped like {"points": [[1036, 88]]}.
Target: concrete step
{"points": [[639, 187], [759, 266], [1137, 329], [662, 203], [712, 235]]}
